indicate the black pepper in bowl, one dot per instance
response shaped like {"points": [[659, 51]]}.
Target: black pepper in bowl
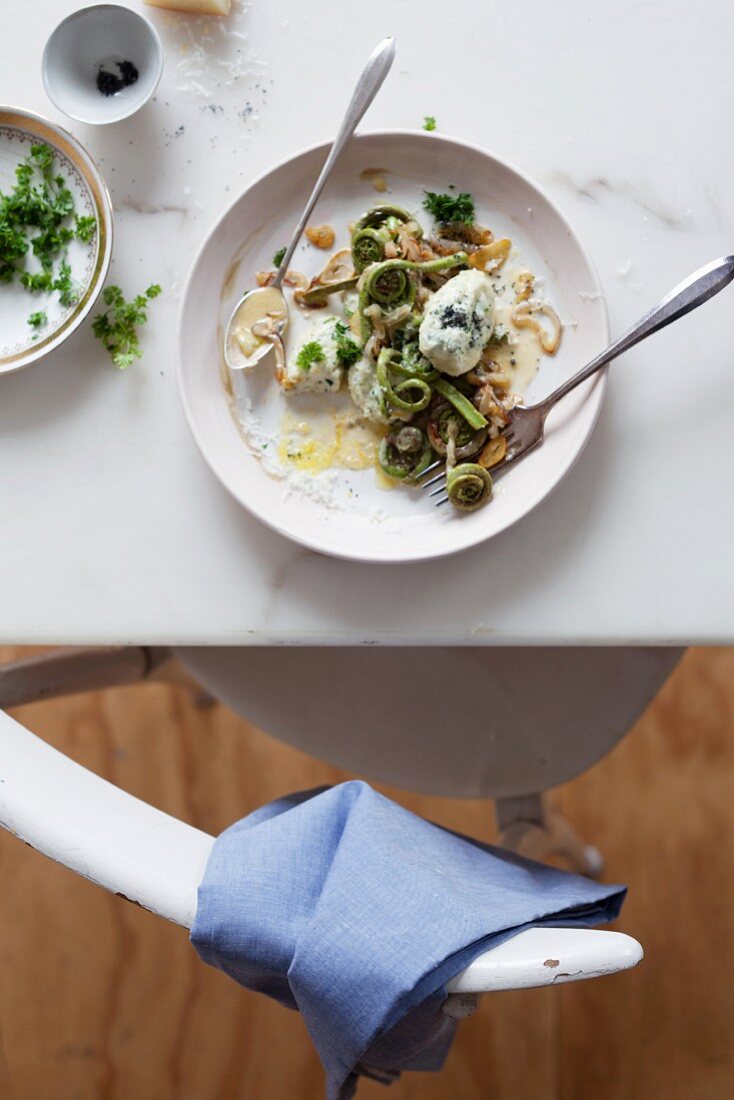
{"points": [[109, 82]]}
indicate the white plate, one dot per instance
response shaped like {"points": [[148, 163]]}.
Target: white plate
{"points": [[20, 344], [370, 524]]}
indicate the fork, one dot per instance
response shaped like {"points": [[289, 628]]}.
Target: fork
{"points": [[527, 423]]}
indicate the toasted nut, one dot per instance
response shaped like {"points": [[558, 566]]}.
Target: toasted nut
{"points": [[493, 453], [526, 315], [322, 236], [524, 284], [491, 256]]}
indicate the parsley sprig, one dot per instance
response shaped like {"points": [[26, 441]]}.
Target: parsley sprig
{"points": [[347, 350], [38, 218], [310, 353], [117, 327], [450, 208]]}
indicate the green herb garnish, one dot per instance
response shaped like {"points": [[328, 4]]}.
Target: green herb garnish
{"points": [[348, 351], [429, 123], [36, 219], [64, 285], [117, 328], [310, 353], [278, 257], [450, 208], [86, 227], [36, 320]]}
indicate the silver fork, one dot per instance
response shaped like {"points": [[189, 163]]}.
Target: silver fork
{"points": [[527, 424]]}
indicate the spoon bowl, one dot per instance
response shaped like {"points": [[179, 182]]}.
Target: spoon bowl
{"points": [[258, 303]]}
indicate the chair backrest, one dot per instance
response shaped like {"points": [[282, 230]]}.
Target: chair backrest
{"points": [[147, 857], [464, 722]]}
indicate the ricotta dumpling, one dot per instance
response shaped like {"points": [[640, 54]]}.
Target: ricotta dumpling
{"points": [[313, 365], [458, 323], [366, 392]]}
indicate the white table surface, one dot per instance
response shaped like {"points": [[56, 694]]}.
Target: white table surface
{"points": [[112, 529]]}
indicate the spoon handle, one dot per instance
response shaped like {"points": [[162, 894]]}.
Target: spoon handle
{"points": [[368, 85], [688, 295]]}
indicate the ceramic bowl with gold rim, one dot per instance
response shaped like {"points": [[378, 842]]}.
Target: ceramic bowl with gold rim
{"points": [[22, 343]]}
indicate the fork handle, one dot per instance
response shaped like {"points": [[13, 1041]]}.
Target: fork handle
{"points": [[688, 295]]}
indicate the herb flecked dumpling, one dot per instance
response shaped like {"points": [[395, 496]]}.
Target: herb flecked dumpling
{"points": [[458, 323]]}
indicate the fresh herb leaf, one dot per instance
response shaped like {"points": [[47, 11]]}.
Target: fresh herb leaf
{"points": [[347, 350], [117, 327], [42, 201], [43, 156], [39, 280], [310, 353], [278, 257], [429, 123], [86, 227], [38, 319], [450, 208], [64, 285]]}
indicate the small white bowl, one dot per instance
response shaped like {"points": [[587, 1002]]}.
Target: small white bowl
{"points": [[98, 39]]}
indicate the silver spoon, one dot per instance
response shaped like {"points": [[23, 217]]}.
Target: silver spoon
{"points": [[368, 85]]}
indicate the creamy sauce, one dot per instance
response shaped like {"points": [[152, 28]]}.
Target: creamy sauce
{"points": [[520, 357], [328, 440], [257, 306], [375, 176]]}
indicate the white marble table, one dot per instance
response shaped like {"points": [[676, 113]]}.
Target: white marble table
{"points": [[112, 529]]}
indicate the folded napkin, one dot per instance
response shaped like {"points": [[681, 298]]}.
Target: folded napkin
{"points": [[345, 906]]}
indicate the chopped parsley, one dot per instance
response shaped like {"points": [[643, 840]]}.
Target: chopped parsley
{"points": [[347, 350], [310, 353], [64, 285], [86, 227], [36, 320], [38, 218], [278, 257], [429, 123], [450, 208], [117, 327]]}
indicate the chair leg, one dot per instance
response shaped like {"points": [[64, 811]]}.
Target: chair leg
{"points": [[68, 671], [529, 827]]}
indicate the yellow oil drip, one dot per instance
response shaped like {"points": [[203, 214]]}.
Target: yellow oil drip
{"points": [[327, 441]]}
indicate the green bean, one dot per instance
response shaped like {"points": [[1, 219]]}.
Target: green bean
{"points": [[462, 404], [321, 291]]}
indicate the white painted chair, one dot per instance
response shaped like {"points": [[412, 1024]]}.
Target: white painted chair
{"points": [[149, 858], [506, 724]]}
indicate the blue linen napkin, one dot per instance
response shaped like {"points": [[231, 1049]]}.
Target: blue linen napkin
{"points": [[345, 906]]}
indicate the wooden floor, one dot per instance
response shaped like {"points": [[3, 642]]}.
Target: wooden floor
{"points": [[99, 999]]}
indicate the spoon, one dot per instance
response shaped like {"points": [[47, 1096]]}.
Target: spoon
{"points": [[262, 301]]}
